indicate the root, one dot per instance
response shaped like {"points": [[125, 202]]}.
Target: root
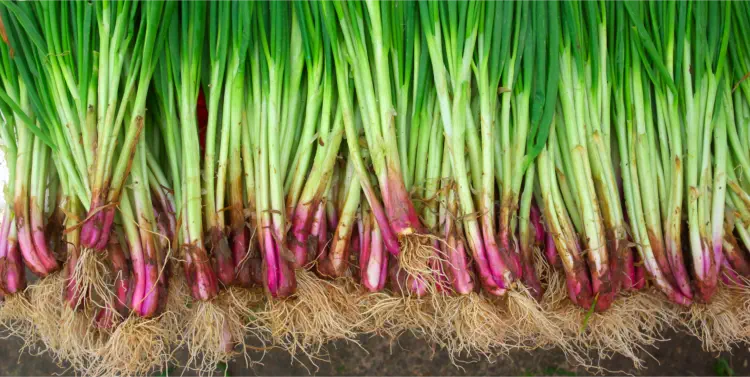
{"points": [[178, 305], [319, 312], [49, 317], [721, 324], [632, 324], [67, 335], [391, 315], [468, 327], [420, 260], [537, 322], [137, 346], [78, 340], [45, 296], [475, 326], [383, 314], [247, 303], [555, 292], [15, 319], [744, 294], [629, 327], [536, 325], [213, 331], [94, 283]]}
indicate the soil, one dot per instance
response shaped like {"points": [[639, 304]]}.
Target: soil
{"points": [[680, 355]]}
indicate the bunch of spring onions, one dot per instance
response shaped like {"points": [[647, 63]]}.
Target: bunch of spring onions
{"points": [[435, 103], [12, 268], [63, 97], [471, 150]]}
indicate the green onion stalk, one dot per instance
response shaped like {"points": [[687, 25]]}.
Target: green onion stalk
{"points": [[560, 222], [542, 238], [12, 271], [328, 213], [349, 45], [11, 262], [392, 27], [371, 251], [184, 59], [641, 163], [36, 89], [661, 41], [454, 42], [137, 209], [427, 182], [461, 228], [738, 199], [30, 192], [528, 241], [326, 216], [294, 100], [117, 45], [347, 218], [535, 100], [252, 118], [735, 262], [526, 73], [354, 126], [333, 260], [320, 139], [166, 183], [234, 122], [458, 266], [72, 87], [162, 194], [164, 176], [163, 180], [147, 262], [737, 228], [39, 167], [146, 254], [50, 74], [228, 51], [597, 109], [420, 134], [626, 266], [373, 257], [512, 88], [704, 60], [344, 220], [574, 146], [278, 273], [422, 110], [32, 146], [634, 126], [363, 34], [147, 218], [401, 33], [215, 166]]}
